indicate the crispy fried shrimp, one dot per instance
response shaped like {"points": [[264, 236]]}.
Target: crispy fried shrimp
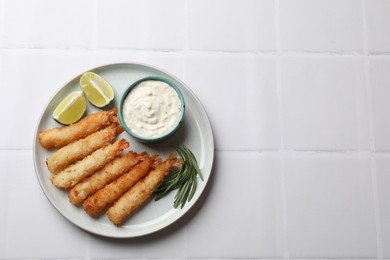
{"points": [[103, 198], [61, 136], [75, 151], [70, 176], [141, 192], [107, 174]]}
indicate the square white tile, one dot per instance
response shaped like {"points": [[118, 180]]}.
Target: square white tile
{"points": [[231, 25], [141, 24], [44, 23], [329, 207], [321, 26], [242, 213], [240, 95], [382, 165], [378, 29], [33, 228], [31, 78], [379, 78], [324, 103]]}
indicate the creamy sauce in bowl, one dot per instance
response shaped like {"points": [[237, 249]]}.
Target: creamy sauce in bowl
{"points": [[152, 109]]}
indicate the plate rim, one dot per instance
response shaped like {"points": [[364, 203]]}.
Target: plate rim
{"points": [[211, 146]]}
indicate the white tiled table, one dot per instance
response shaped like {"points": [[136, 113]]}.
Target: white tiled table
{"points": [[297, 91]]}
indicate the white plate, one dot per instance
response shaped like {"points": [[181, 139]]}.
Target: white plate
{"points": [[195, 132]]}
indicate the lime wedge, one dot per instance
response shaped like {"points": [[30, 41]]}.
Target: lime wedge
{"points": [[71, 108], [97, 90]]}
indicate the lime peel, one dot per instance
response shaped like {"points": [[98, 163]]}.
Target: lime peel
{"points": [[69, 104], [97, 90], [71, 108]]}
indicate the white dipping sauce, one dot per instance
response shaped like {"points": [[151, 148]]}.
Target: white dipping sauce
{"points": [[151, 109]]}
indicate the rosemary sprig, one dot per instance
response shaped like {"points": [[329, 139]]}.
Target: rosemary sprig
{"points": [[184, 179]]}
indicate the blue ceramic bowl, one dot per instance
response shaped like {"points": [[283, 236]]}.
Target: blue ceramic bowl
{"points": [[164, 135]]}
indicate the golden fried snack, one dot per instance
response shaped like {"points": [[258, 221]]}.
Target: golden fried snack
{"points": [[70, 176], [75, 151], [61, 136], [103, 198], [107, 174], [141, 192]]}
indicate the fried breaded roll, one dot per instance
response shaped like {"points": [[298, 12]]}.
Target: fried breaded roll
{"points": [[104, 176], [61, 136], [70, 176], [105, 197], [141, 192], [75, 151]]}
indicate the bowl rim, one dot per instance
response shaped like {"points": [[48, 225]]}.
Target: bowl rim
{"points": [[160, 137]]}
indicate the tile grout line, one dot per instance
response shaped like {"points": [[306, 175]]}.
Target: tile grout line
{"points": [[367, 82], [278, 43], [334, 258], [278, 75], [279, 258], [375, 192], [371, 134], [265, 53]]}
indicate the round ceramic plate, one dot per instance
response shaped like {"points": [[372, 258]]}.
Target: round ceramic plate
{"points": [[195, 132]]}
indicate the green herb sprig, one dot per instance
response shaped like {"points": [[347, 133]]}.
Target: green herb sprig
{"points": [[184, 179]]}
